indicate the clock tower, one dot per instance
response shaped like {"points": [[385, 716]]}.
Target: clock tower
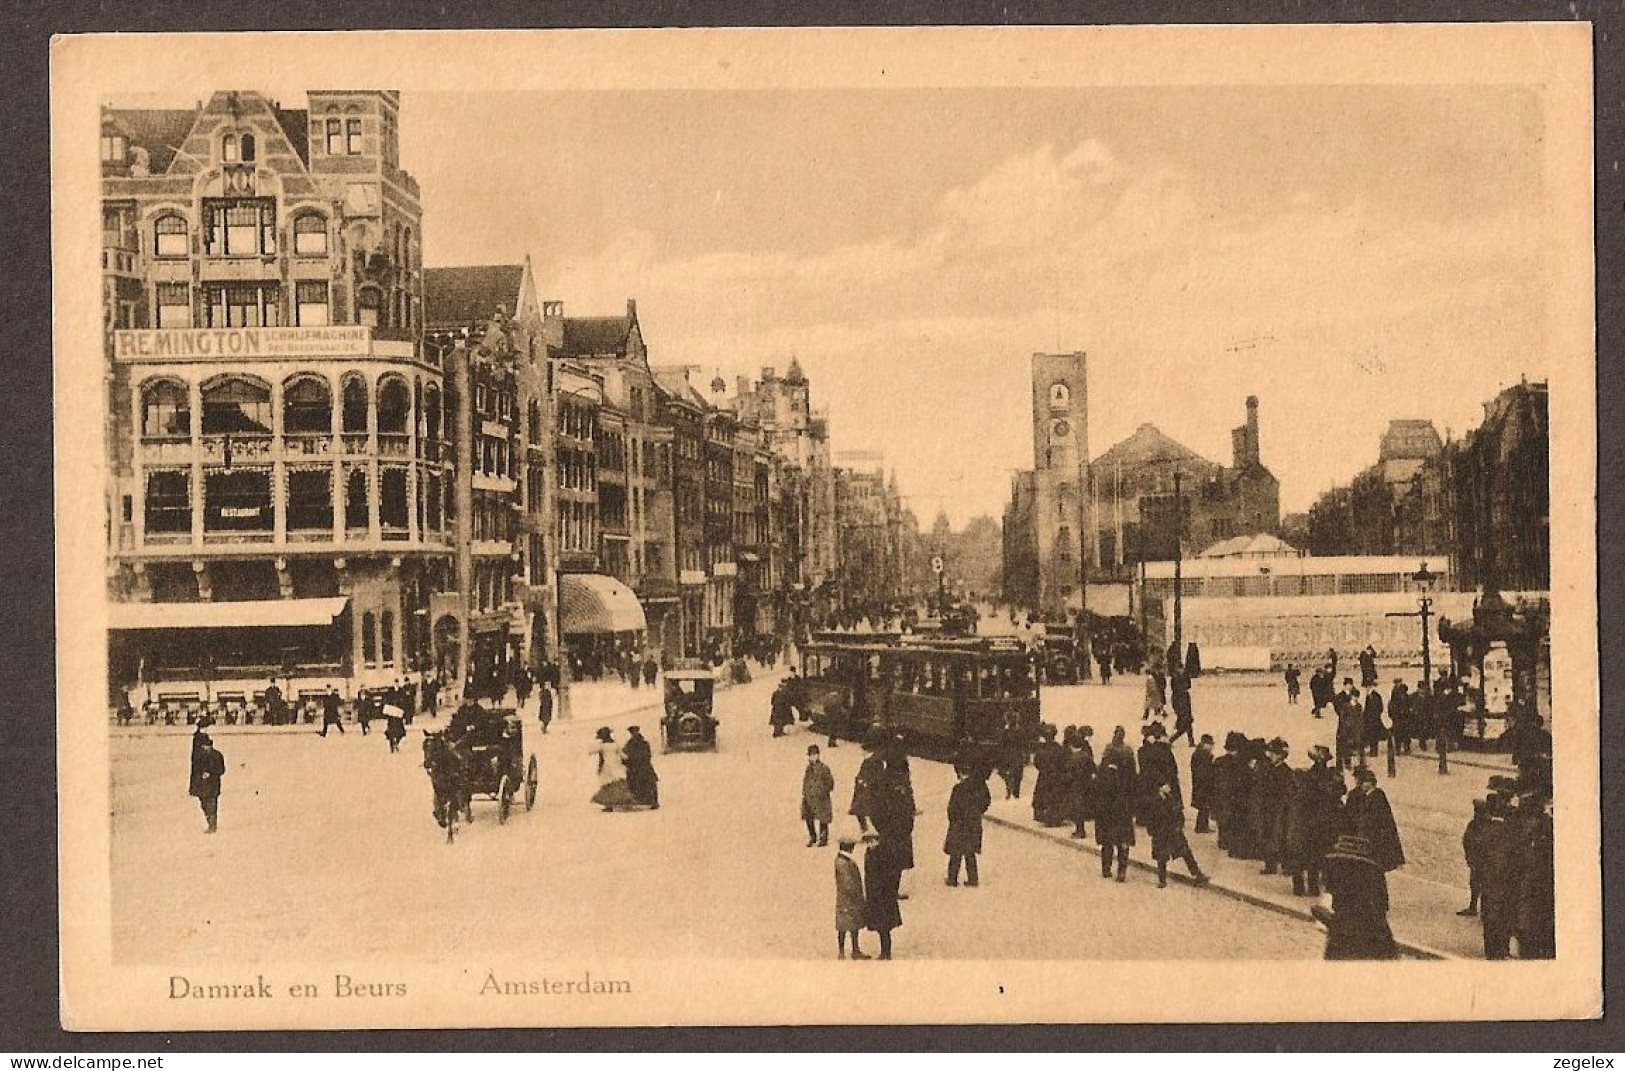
{"points": [[1060, 416]]}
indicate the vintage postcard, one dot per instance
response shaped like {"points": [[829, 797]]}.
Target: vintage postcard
{"points": [[826, 526]]}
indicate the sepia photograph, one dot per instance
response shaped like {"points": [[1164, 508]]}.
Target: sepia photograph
{"points": [[844, 526]]}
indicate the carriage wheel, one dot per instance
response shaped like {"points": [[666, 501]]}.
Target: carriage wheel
{"points": [[504, 798], [530, 784]]}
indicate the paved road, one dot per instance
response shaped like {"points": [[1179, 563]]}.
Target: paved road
{"points": [[327, 848]]}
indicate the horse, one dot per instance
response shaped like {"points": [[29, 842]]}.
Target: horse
{"points": [[448, 773]]}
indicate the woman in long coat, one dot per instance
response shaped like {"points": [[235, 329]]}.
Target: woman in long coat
{"points": [[893, 814], [1357, 923], [968, 801], [882, 876], [1048, 757], [1080, 781]]}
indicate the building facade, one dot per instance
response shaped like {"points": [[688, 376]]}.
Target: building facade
{"points": [[1046, 521], [275, 429]]}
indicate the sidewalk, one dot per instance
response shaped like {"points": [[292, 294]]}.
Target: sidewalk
{"points": [[1422, 914]]}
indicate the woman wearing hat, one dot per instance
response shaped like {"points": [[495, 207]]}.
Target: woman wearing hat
{"points": [[612, 789], [1357, 920], [1317, 818]]}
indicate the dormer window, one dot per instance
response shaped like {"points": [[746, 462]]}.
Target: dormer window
{"points": [[228, 148], [352, 135], [114, 148], [248, 148]]}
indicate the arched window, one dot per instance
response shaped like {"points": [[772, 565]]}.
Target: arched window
{"points": [[166, 410], [307, 406], [369, 638], [228, 148], [171, 236], [310, 234], [355, 405], [387, 635], [1060, 396], [533, 423], [248, 148], [236, 407], [368, 302], [431, 413], [355, 500], [394, 406]]}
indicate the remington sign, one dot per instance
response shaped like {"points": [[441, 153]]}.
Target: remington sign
{"points": [[210, 343]]}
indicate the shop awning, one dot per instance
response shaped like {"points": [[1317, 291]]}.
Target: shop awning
{"points": [[268, 613], [592, 603]]}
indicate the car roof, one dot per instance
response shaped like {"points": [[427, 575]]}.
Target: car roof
{"points": [[690, 675]]}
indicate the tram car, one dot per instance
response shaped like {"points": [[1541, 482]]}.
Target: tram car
{"points": [[933, 691]]}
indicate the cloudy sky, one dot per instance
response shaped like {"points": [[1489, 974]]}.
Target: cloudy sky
{"points": [[1349, 254]]}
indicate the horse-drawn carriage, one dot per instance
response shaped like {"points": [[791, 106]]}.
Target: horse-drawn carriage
{"points": [[481, 753], [688, 724]]}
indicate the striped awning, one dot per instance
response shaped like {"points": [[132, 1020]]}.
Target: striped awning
{"points": [[594, 603], [265, 613]]}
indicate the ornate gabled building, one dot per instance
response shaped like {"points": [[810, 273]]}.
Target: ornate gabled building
{"points": [[275, 429]]}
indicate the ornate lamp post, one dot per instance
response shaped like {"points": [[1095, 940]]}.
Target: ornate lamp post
{"points": [[1425, 579]]}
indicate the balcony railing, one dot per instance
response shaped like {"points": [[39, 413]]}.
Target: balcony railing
{"points": [[243, 448], [394, 445], [309, 445]]}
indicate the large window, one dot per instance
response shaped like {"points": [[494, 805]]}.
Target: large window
{"points": [[434, 495], [171, 236], [368, 302], [248, 148], [309, 235], [335, 137], [386, 633], [114, 147], [394, 407], [237, 501], [236, 407], [355, 500], [355, 405], [169, 501], [431, 413], [310, 500], [310, 305], [173, 303], [352, 136], [392, 505], [237, 305], [242, 227], [307, 407], [166, 411]]}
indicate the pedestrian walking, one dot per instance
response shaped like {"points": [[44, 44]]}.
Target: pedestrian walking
{"points": [[276, 707], [544, 705], [613, 792], [1316, 820], [1157, 767], [1498, 878], [641, 778], [364, 711], [1201, 768], [1350, 726], [394, 727], [1320, 692], [895, 811], [1014, 751], [1367, 814], [1357, 920], [1193, 661], [1156, 687], [1536, 904], [849, 898], [1078, 772], [1165, 821], [882, 877], [1292, 686], [1375, 731], [1273, 792], [817, 788], [1331, 662], [523, 684], [968, 801], [1472, 849], [208, 768], [1368, 667], [1048, 792], [1401, 716], [1114, 812], [865, 785], [780, 716], [1229, 773], [1179, 686], [330, 713]]}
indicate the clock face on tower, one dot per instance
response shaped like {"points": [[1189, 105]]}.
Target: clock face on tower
{"points": [[1059, 429]]}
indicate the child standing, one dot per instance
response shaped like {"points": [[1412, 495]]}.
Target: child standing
{"points": [[1472, 846], [848, 898]]}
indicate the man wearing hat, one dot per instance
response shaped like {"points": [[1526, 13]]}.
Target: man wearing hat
{"points": [[1367, 813], [968, 801], [1357, 921], [1165, 821], [1317, 817], [1049, 796], [208, 767], [1114, 812], [870, 776], [612, 790], [817, 786], [1350, 713], [641, 779], [1273, 804], [1157, 768]]}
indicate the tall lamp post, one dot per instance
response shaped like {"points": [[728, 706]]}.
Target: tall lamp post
{"points": [[1425, 579]]}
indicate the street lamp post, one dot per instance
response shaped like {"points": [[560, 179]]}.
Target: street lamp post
{"points": [[1425, 579], [1179, 568]]}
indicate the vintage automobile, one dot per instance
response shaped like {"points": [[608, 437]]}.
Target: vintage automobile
{"points": [[688, 724], [480, 753], [1059, 661]]}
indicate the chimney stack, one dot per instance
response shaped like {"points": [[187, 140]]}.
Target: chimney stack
{"points": [[631, 308]]}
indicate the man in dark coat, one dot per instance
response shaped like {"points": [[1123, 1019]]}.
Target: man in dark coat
{"points": [[208, 767], [871, 773], [1193, 661], [1368, 667], [1357, 923], [1316, 821], [779, 713], [544, 705], [1048, 793], [894, 807], [330, 712], [1273, 791], [1184, 718], [817, 786], [1157, 767], [882, 876], [1202, 782], [968, 801], [1472, 850], [1320, 692], [1536, 917], [1367, 814], [1401, 717], [641, 779], [1498, 878], [1293, 675], [1350, 725], [1375, 731], [1114, 812], [1229, 771], [1165, 821], [1248, 843], [1079, 774], [1014, 749]]}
